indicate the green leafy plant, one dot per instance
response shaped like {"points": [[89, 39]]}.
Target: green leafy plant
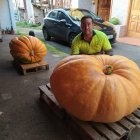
{"points": [[114, 21]]}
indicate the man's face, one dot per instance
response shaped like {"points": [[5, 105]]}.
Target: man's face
{"points": [[87, 26]]}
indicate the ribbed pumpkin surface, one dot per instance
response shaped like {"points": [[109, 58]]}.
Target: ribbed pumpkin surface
{"points": [[98, 88], [27, 49]]}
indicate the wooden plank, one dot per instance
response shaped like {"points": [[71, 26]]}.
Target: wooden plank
{"points": [[49, 94], [137, 113], [48, 86], [43, 63], [105, 131], [133, 119], [117, 129], [89, 132], [49, 98], [34, 66], [29, 66], [126, 124]]}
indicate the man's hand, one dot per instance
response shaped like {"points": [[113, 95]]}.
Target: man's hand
{"points": [[110, 52]]}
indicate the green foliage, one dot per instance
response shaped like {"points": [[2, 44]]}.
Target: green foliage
{"points": [[19, 33], [114, 21], [28, 25]]}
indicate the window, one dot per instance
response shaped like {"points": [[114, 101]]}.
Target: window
{"points": [[63, 16], [53, 15]]}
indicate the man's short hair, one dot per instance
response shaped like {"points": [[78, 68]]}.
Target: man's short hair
{"points": [[87, 16]]}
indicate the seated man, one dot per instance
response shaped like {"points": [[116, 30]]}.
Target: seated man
{"points": [[90, 41]]}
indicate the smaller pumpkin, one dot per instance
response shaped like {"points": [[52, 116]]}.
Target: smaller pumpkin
{"points": [[27, 49]]}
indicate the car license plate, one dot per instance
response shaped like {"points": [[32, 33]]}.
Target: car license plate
{"points": [[110, 36]]}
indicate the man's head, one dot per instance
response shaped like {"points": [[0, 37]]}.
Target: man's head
{"points": [[87, 24], [86, 17]]}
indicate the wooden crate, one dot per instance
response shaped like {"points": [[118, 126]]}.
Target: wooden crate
{"points": [[120, 130], [34, 67]]}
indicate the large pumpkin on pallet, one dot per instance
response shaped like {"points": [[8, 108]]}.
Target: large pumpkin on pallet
{"points": [[27, 49], [98, 88]]}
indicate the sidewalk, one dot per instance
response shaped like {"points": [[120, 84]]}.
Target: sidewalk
{"points": [[129, 40]]}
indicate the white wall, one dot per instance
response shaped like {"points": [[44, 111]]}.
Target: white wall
{"points": [[29, 8], [38, 15], [30, 11], [6, 14], [85, 4], [120, 10], [74, 4]]}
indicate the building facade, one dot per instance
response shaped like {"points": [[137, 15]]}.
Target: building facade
{"points": [[7, 20], [127, 11]]}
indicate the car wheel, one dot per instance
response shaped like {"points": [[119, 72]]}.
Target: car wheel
{"points": [[71, 37], [46, 35]]}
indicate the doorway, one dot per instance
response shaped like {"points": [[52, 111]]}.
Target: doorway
{"points": [[103, 9], [134, 20]]}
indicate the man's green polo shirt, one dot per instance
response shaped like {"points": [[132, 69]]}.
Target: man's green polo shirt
{"points": [[98, 43]]}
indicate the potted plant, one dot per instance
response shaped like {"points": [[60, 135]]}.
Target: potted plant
{"points": [[120, 29], [114, 21]]}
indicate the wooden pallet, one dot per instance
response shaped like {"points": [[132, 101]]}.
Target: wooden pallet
{"points": [[120, 130], [34, 67]]}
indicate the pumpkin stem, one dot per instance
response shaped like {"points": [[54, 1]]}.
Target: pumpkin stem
{"points": [[108, 69], [32, 53]]}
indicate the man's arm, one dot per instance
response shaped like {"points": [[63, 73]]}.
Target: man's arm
{"points": [[109, 52], [107, 48], [74, 49], [75, 46]]}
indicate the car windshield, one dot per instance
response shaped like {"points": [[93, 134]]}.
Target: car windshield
{"points": [[77, 14]]}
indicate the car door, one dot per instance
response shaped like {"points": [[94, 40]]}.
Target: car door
{"points": [[63, 27], [51, 23]]}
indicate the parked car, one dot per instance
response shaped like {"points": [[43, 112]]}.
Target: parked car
{"points": [[64, 24]]}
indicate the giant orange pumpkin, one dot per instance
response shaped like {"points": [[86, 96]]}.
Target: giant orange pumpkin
{"points": [[27, 49], [98, 88]]}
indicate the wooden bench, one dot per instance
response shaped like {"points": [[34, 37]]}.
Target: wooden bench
{"points": [[91, 130]]}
